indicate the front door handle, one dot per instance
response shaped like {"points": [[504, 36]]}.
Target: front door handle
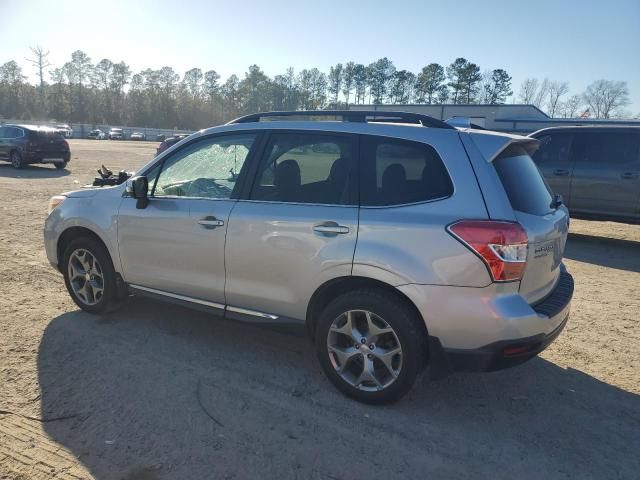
{"points": [[561, 172], [331, 228], [210, 222], [629, 175]]}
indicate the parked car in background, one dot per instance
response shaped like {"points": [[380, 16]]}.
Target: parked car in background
{"points": [[138, 136], [398, 246], [160, 137], [116, 134], [595, 169], [170, 141], [65, 130], [26, 144], [97, 134]]}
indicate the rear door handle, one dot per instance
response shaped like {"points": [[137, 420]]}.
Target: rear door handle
{"points": [[561, 172], [629, 175], [331, 228], [210, 222]]}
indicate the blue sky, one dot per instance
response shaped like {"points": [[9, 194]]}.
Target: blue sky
{"points": [[570, 40]]}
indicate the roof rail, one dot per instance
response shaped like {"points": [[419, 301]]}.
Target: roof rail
{"points": [[351, 116]]}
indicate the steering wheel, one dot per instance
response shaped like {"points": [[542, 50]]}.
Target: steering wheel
{"points": [[207, 187]]}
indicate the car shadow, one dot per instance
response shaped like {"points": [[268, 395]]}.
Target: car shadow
{"points": [[604, 251], [157, 391], [32, 171]]}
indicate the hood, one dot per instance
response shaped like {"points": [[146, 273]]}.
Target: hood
{"points": [[90, 191]]}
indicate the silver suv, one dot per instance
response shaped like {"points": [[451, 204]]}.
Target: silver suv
{"points": [[397, 239]]}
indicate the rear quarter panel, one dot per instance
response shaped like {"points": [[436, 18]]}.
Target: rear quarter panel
{"points": [[409, 244]]}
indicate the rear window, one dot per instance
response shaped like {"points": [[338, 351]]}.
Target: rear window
{"points": [[47, 135], [521, 179]]}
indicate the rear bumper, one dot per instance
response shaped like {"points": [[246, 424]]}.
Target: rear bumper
{"points": [[46, 157], [507, 353]]}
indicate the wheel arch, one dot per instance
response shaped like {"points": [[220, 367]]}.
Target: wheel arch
{"points": [[72, 233], [339, 285]]}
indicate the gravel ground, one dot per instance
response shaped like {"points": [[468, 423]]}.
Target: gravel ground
{"points": [[160, 392]]}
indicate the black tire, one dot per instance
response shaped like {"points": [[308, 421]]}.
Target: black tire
{"points": [[400, 317], [60, 165], [109, 295], [16, 159]]}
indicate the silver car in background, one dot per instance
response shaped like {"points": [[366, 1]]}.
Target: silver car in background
{"points": [[400, 241]]}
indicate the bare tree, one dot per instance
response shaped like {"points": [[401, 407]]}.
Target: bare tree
{"points": [[528, 90], [543, 91], [41, 63], [605, 98], [571, 106], [556, 91]]}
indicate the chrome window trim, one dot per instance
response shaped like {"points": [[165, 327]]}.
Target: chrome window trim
{"points": [[277, 202]]}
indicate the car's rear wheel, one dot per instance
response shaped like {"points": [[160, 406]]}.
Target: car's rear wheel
{"points": [[89, 275], [60, 165], [371, 345], [16, 159]]}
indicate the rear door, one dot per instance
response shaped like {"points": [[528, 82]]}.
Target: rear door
{"points": [[547, 227], [606, 176], [297, 227], [554, 161]]}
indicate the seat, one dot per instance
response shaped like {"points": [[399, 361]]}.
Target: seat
{"points": [[394, 184], [287, 181], [337, 180]]}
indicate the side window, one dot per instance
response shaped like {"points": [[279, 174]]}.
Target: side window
{"points": [[554, 149], [208, 168], [12, 132], [395, 172], [305, 168], [607, 148]]}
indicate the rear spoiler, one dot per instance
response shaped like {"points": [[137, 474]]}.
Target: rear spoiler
{"points": [[492, 144], [464, 122]]}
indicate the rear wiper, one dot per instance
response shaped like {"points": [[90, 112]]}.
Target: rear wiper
{"points": [[557, 201]]}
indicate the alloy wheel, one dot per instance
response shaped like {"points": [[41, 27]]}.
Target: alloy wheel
{"points": [[364, 350], [85, 276]]}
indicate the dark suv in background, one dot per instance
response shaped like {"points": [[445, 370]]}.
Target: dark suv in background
{"points": [[25, 144], [595, 169]]}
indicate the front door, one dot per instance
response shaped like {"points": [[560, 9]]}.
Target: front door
{"points": [[175, 246], [298, 227], [606, 173]]}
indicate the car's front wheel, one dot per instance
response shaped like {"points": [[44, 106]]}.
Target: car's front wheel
{"points": [[60, 165], [371, 345], [89, 274]]}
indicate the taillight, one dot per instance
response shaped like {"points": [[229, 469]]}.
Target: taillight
{"points": [[66, 144], [501, 245]]}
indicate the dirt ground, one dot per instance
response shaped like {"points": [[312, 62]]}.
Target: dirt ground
{"points": [[160, 392]]}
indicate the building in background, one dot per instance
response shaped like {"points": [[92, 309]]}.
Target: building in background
{"points": [[522, 119]]}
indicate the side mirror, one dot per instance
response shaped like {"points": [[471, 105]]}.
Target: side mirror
{"points": [[139, 190]]}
